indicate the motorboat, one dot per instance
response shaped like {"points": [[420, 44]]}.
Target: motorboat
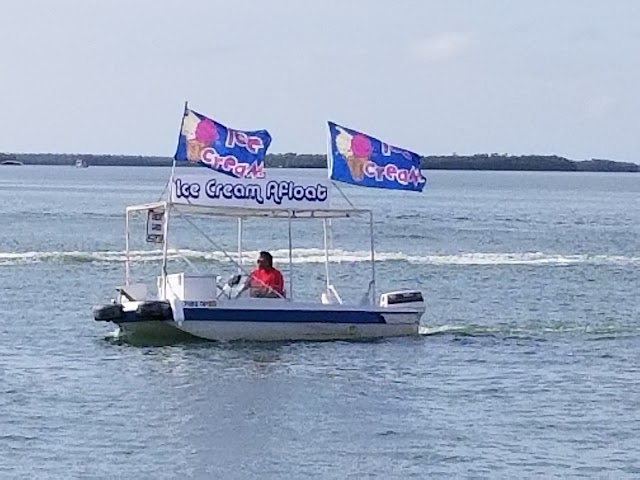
{"points": [[207, 306]]}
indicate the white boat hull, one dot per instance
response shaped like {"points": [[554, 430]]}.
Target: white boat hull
{"points": [[271, 321], [257, 331], [275, 331]]}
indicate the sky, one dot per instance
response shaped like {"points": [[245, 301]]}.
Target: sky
{"points": [[436, 77]]}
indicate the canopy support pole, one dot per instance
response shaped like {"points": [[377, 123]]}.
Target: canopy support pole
{"points": [[240, 245], [290, 259], [165, 248], [165, 233], [373, 260], [127, 237], [326, 255], [167, 210]]}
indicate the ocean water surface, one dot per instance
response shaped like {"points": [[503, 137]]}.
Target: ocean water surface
{"points": [[528, 365]]}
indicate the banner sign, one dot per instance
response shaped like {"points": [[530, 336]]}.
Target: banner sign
{"points": [[155, 225], [360, 159], [223, 191], [209, 143]]}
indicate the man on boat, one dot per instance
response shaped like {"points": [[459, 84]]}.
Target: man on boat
{"points": [[265, 281]]}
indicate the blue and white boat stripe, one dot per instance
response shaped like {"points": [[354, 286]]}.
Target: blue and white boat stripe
{"points": [[271, 316]]}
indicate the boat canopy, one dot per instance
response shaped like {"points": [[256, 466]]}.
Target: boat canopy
{"points": [[254, 212], [242, 199]]}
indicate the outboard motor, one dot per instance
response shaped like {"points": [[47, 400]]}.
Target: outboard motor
{"points": [[107, 313], [411, 299], [158, 310]]}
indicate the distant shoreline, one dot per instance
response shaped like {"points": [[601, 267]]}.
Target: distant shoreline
{"points": [[491, 162]]}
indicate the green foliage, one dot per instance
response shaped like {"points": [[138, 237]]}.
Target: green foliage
{"points": [[293, 160]]}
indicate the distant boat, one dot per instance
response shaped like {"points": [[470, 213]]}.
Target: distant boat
{"points": [[81, 163], [12, 162]]}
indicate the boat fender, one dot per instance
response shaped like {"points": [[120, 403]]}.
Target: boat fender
{"points": [[156, 310], [107, 313]]}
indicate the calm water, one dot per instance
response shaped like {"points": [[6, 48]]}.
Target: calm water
{"points": [[529, 365]]}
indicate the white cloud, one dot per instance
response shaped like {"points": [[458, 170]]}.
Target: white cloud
{"points": [[441, 47]]}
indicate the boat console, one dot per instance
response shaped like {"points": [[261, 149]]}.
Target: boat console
{"points": [[191, 290]]}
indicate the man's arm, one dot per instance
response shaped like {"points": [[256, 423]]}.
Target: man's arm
{"points": [[281, 284]]}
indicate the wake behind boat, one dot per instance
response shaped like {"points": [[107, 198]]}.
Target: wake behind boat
{"points": [[206, 306]]}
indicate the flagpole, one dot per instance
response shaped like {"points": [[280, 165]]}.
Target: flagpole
{"points": [[329, 152], [373, 259], [165, 245], [326, 255], [344, 195], [290, 294], [173, 165]]}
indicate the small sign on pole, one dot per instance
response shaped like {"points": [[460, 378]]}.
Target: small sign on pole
{"points": [[155, 225]]}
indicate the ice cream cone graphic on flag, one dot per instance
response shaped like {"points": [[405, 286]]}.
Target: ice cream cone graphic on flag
{"points": [[194, 150], [356, 150], [356, 166], [200, 134]]}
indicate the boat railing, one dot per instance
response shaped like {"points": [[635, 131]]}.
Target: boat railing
{"points": [[367, 297], [133, 292], [330, 295]]}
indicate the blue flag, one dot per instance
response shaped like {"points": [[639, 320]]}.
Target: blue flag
{"points": [[233, 152], [360, 159]]}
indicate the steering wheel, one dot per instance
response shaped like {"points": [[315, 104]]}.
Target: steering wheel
{"points": [[235, 280], [228, 286]]}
